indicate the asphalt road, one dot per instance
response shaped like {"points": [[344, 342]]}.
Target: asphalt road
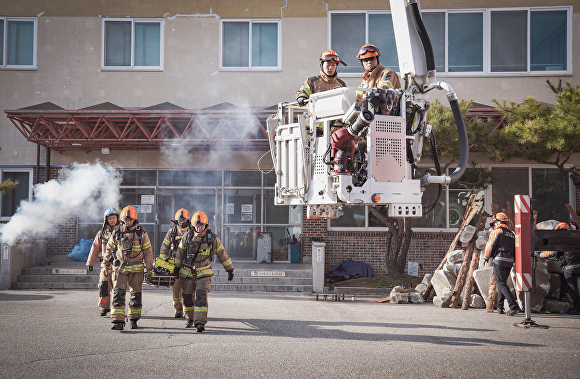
{"points": [[59, 334]]}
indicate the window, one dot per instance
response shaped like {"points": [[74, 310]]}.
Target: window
{"points": [[18, 43], [534, 41], [132, 44], [349, 31], [11, 199], [520, 40], [550, 194], [250, 45]]}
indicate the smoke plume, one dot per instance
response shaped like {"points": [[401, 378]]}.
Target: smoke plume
{"points": [[84, 190]]}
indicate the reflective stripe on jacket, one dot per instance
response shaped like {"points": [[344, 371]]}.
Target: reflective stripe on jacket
{"points": [[202, 260], [319, 83]]}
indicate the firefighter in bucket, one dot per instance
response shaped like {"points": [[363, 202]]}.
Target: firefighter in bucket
{"points": [[129, 250], [165, 262], [193, 259]]}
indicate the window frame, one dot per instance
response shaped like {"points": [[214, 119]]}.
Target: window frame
{"points": [[4, 52], [487, 12], [366, 13], [30, 184], [487, 193], [132, 67], [251, 21]]}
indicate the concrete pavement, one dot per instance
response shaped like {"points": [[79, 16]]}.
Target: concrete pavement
{"points": [[59, 334]]}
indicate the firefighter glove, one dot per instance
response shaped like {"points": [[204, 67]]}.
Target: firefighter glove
{"points": [[486, 260], [230, 275], [302, 101], [90, 268]]}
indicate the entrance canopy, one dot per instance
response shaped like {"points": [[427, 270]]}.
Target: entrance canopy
{"points": [[110, 126]]}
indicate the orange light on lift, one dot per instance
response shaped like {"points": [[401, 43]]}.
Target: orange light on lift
{"points": [[376, 198]]}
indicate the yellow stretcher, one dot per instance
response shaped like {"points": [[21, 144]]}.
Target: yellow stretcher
{"points": [[163, 275]]}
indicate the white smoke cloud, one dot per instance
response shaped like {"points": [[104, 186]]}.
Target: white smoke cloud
{"points": [[81, 190]]}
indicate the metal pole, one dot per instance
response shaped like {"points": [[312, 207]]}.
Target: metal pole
{"points": [[47, 172], [37, 164]]}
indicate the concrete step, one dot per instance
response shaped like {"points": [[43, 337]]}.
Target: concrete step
{"points": [[267, 279]]}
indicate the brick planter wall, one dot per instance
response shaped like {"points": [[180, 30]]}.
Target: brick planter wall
{"points": [[368, 246]]}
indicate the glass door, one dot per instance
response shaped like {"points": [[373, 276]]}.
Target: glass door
{"points": [[169, 200]]}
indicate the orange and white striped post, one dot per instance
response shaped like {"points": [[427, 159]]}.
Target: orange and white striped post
{"points": [[523, 231]]}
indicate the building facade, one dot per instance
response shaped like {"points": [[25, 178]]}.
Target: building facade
{"points": [[102, 68]]}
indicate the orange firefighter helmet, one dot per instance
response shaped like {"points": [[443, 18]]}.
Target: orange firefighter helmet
{"points": [[329, 56], [368, 51], [562, 226], [199, 218], [129, 213], [182, 213]]}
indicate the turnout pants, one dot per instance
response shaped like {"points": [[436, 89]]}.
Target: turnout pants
{"points": [[195, 298], [120, 281], [177, 296], [105, 286], [501, 274]]}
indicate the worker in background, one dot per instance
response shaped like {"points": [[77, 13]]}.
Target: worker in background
{"points": [[558, 256], [181, 225], [375, 75], [326, 80], [193, 257], [130, 249], [248, 243], [571, 269], [110, 223], [235, 243], [501, 247]]}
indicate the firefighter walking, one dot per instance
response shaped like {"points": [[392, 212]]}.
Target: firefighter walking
{"points": [[501, 247], [169, 246], [131, 252], [110, 223], [193, 258]]}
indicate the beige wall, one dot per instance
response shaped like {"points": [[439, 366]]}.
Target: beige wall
{"points": [[69, 75]]}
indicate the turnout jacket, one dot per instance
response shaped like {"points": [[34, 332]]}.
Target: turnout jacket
{"points": [[167, 241], [319, 83], [140, 254], [100, 244], [381, 77], [196, 249], [501, 246]]}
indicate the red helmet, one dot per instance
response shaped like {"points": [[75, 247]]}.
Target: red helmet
{"points": [[368, 51], [562, 226], [329, 56], [573, 222], [129, 213], [501, 217], [199, 218], [182, 213]]}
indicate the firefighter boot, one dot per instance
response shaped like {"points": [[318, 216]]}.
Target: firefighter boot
{"points": [[104, 312], [178, 315], [200, 328], [133, 323], [118, 325], [189, 324]]}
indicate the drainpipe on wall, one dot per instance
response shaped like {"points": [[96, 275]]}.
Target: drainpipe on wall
{"points": [[47, 173]]}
